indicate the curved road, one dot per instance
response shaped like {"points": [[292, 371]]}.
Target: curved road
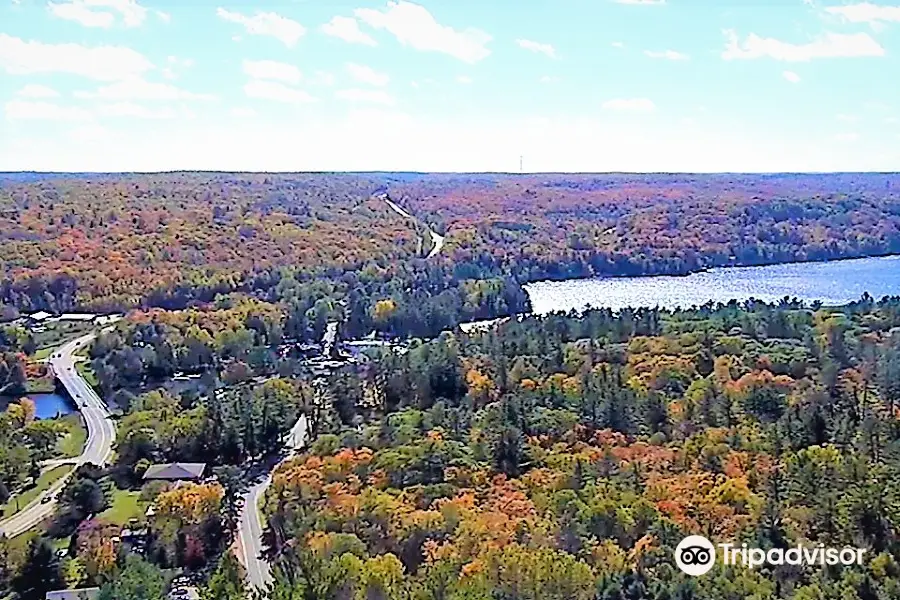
{"points": [[250, 527], [100, 429], [436, 239]]}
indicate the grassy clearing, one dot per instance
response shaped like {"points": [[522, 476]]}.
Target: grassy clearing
{"points": [[72, 444], [59, 333], [42, 354], [126, 505], [41, 385], [44, 482], [86, 371]]}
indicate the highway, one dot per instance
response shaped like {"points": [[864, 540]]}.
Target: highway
{"points": [[250, 527], [101, 433]]}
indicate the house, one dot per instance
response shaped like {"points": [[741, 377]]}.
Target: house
{"points": [[175, 471], [38, 317], [83, 317], [79, 594]]}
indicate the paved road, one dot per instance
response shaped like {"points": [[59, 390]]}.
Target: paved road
{"points": [[250, 527], [329, 339], [436, 239], [100, 429]]}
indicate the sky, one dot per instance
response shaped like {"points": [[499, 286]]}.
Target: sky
{"points": [[450, 85]]}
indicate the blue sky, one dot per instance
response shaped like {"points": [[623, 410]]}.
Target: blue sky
{"points": [[570, 85]]}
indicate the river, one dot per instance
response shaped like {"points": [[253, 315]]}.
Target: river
{"points": [[833, 282]]}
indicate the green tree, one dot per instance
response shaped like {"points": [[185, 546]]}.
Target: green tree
{"points": [[227, 581], [138, 580], [41, 572]]}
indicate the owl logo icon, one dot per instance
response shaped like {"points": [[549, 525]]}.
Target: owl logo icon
{"points": [[695, 555]]}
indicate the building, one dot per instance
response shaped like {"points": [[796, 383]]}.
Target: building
{"points": [[38, 317], [175, 471], [83, 317], [79, 594]]}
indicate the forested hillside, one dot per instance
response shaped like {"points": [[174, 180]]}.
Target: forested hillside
{"points": [[175, 241], [563, 458], [561, 226]]}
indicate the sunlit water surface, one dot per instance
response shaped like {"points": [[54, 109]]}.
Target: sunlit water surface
{"points": [[835, 282]]}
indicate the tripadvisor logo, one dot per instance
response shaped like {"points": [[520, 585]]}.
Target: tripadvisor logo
{"points": [[696, 555]]}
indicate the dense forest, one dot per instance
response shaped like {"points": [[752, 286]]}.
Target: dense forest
{"points": [[564, 457], [548, 457], [318, 243]]}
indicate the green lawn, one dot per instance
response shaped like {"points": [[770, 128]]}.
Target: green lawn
{"points": [[47, 479], [85, 370], [125, 506], [59, 333], [41, 385], [42, 354], [72, 444]]}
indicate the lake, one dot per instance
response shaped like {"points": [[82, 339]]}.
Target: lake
{"points": [[834, 282], [46, 406]]}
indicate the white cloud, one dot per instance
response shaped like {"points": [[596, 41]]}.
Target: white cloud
{"points": [[137, 111], [271, 69], [666, 54], [176, 64], [33, 90], [830, 45], [486, 143], [367, 96], [273, 90], [548, 79], [180, 62], [866, 12], [100, 13], [414, 26], [89, 133], [847, 118], [322, 78], [135, 88], [103, 63], [631, 104], [464, 79], [875, 105], [367, 75], [791, 76], [640, 1], [242, 112], [847, 137], [892, 120], [271, 24], [617, 45], [538, 47], [347, 29], [44, 111]]}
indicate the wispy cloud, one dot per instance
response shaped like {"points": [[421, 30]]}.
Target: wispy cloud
{"points": [[412, 25], [666, 54], [830, 45], [347, 29], [630, 104], [367, 75], [270, 24], [538, 47]]}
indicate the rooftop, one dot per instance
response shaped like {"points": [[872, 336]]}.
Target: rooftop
{"points": [[175, 471], [79, 594]]}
